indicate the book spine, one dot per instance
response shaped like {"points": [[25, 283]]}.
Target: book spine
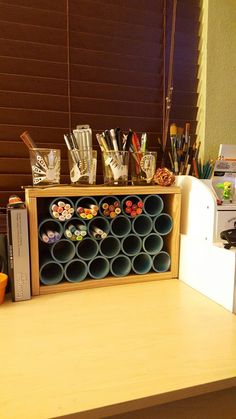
{"points": [[18, 253]]}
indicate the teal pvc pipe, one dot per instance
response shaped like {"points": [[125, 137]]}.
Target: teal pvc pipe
{"points": [[109, 199], [87, 248], [133, 198], [110, 246], [64, 199], [120, 226], [161, 262], [100, 223], [131, 244], [76, 270], [98, 267], [49, 225], [51, 273], [85, 202], [152, 243], [153, 205], [75, 222], [63, 251], [163, 224], [120, 265], [142, 263], [142, 225]]}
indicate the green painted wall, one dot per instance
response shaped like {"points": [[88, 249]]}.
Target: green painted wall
{"points": [[217, 76]]}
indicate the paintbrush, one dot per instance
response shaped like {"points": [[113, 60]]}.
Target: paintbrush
{"points": [[26, 138]]}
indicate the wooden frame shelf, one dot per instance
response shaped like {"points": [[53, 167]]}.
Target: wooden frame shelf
{"points": [[36, 199]]}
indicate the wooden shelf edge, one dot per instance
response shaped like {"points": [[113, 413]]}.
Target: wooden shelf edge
{"points": [[80, 190], [105, 282]]}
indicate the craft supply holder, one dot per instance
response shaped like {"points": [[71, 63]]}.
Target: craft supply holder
{"points": [[139, 248]]}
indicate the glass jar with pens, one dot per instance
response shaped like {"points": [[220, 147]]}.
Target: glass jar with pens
{"points": [[82, 166], [117, 149], [81, 157], [143, 167], [115, 166], [115, 158]]}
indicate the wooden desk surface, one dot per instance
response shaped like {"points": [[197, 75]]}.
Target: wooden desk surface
{"points": [[81, 350]]}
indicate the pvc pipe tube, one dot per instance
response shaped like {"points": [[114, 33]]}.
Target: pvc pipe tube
{"points": [[120, 226], [110, 246], [153, 205], [87, 248], [161, 262], [132, 205], [152, 243], [142, 263], [50, 230], [98, 267], [76, 270], [163, 224], [120, 265], [98, 227], [109, 206], [75, 229], [63, 251], [131, 244], [142, 225], [51, 273], [86, 207], [62, 208]]}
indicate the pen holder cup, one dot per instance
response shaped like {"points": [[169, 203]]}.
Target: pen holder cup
{"points": [[115, 165], [82, 166], [45, 166], [142, 167]]}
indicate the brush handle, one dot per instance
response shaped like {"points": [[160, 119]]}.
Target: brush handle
{"points": [[26, 138]]}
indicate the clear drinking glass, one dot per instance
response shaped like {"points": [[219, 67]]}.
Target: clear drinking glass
{"points": [[82, 166], [115, 166], [143, 167], [45, 166]]}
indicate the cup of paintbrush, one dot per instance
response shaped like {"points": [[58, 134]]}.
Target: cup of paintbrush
{"points": [[45, 162]]}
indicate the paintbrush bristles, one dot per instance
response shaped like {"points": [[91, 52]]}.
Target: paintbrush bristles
{"points": [[173, 130]]}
